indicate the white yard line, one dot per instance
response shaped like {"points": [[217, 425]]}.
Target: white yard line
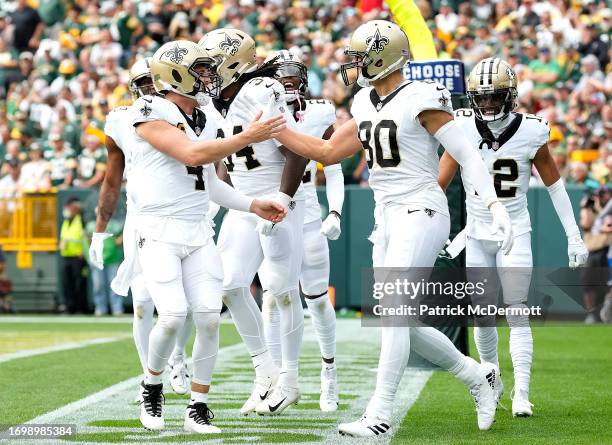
{"points": [[357, 355], [61, 347], [72, 319]]}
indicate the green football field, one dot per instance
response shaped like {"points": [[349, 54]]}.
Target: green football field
{"points": [[85, 372]]}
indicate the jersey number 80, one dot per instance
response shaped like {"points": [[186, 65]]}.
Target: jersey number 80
{"points": [[385, 152]]}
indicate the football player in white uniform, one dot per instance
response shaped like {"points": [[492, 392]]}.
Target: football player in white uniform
{"points": [[317, 118], [262, 169], [401, 124], [119, 135], [172, 179], [509, 143]]}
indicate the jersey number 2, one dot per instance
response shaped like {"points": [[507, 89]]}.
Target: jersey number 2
{"points": [[390, 145], [512, 173]]}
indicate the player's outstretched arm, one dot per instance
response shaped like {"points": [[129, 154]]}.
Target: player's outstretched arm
{"points": [[442, 126], [228, 197], [343, 143], [448, 169], [107, 202], [545, 164], [175, 143], [334, 190]]}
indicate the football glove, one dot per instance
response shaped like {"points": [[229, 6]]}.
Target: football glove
{"points": [[576, 251], [96, 250], [502, 224], [331, 226]]}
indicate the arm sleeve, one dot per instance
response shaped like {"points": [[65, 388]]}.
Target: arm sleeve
{"points": [[334, 188], [225, 195], [109, 126], [563, 207], [452, 139]]}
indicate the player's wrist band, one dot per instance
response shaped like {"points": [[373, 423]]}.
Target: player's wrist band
{"points": [[333, 212]]}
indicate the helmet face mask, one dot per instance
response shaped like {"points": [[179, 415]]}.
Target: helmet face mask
{"points": [[142, 86], [294, 77], [207, 79], [492, 90], [377, 48], [493, 105], [351, 71], [141, 81]]}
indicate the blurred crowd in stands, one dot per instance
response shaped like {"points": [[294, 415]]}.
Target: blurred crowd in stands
{"points": [[63, 66]]}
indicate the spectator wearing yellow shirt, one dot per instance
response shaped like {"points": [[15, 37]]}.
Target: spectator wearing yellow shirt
{"points": [[73, 271]]}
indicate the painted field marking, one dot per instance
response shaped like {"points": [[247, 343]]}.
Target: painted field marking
{"points": [[111, 416]]}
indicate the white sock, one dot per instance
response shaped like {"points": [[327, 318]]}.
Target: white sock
{"points": [[324, 323], [292, 331], [521, 352], [183, 336], [436, 347], [141, 328], [394, 354], [152, 379], [206, 346], [271, 323], [486, 343], [467, 371], [249, 323], [521, 348], [162, 339], [199, 397]]}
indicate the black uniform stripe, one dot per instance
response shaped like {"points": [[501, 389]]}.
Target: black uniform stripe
{"points": [[373, 430], [485, 131], [491, 66]]}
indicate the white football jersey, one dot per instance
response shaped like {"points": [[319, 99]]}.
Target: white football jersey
{"points": [[402, 156], [119, 127], [508, 158], [319, 115], [171, 199], [255, 170]]}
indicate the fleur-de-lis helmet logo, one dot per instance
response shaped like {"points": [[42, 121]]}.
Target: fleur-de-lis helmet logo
{"points": [[176, 54], [378, 41], [229, 45]]}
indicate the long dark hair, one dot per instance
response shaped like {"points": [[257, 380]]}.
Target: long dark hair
{"points": [[266, 69]]}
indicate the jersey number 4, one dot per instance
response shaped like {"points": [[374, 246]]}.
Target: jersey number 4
{"points": [[199, 174], [385, 151], [251, 161]]}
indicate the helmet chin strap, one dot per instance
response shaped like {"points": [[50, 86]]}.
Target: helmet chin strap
{"points": [[497, 126]]}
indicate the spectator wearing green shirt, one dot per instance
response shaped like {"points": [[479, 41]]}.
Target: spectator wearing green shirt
{"points": [[104, 298], [91, 164], [544, 71], [63, 162]]}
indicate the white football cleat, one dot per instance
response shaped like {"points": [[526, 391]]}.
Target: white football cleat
{"points": [[366, 427], [484, 395], [179, 377], [279, 400], [499, 390], [521, 406], [197, 419], [328, 401], [151, 407], [138, 398], [262, 390]]}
